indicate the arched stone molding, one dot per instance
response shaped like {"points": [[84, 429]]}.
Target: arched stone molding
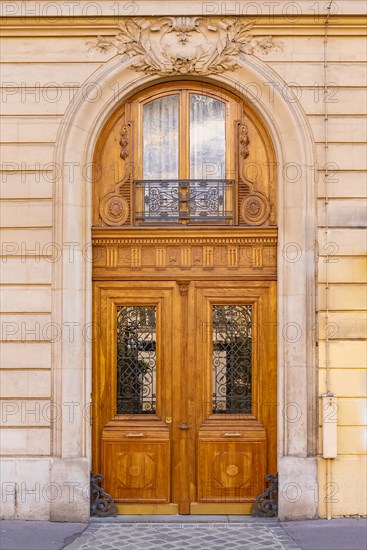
{"points": [[288, 127]]}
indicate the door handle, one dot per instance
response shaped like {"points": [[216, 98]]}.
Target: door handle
{"points": [[184, 426], [135, 435], [228, 434]]}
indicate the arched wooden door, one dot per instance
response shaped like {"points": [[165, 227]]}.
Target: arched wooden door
{"points": [[184, 268]]}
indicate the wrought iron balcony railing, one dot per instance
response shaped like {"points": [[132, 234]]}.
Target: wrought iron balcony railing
{"points": [[184, 201]]}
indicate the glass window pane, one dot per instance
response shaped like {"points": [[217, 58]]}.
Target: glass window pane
{"points": [[136, 359], [160, 138], [232, 359], [207, 137]]}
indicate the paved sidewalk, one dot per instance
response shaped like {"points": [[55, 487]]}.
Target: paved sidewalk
{"points": [[182, 536], [38, 535], [336, 534], [185, 532]]}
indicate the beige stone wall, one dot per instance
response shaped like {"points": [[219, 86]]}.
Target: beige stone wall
{"points": [[44, 64]]}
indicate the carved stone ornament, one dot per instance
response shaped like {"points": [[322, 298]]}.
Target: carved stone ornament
{"points": [[255, 209], [184, 45]]}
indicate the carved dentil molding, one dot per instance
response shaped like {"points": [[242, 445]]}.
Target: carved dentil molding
{"points": [[185, 241], [184, 45]]}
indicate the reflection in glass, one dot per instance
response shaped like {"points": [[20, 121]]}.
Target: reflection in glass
{"points": [[232, 359], [136, 359], [160, 138], [207, 137]]}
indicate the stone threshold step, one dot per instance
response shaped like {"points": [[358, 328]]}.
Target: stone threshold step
{"points": [[184, 519]]}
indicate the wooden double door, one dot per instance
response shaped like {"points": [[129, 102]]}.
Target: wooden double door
{"points": [[184, 393]]}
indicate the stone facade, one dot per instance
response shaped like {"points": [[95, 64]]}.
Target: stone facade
{"points": [[57, 91]]}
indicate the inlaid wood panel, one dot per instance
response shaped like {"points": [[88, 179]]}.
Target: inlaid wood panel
{"points": [[136, 471], [231, 471]]}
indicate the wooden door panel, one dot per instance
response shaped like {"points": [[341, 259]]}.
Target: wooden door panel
{"points": [[231, 471], [186, 452], [232, 445], [137, 472], [133, 451]]}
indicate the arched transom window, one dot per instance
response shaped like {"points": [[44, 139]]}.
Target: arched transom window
{"points": [[190, 154], [184, 159]]}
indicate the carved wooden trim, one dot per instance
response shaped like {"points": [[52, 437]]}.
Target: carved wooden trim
{"points": [[125, 140], [114, 207], [160, 258], [254, 206], [152, 252], [254, 209], [111, 257], [232, 257], [243, 140], [183, 287], [185, 258], [257, 257], [208, 257], [135, 258], [198, 241]]}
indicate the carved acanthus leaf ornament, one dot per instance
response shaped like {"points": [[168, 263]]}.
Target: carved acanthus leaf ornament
{"points": [[184, 45]]}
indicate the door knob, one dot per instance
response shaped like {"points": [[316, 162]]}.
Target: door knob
{"points": [[184, 426]]}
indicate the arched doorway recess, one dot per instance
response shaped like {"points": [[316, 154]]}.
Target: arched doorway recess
{"points": [[76, 144], [184, 270]]}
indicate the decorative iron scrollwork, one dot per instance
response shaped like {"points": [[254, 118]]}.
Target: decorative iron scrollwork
{"points": [[232, 359], [266, 504], [189, 200], [136, 359], [101, 503]]}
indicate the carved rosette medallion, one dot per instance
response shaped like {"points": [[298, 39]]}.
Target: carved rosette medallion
{"points": [[255, 209], [114, 210], [184, 45]]}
